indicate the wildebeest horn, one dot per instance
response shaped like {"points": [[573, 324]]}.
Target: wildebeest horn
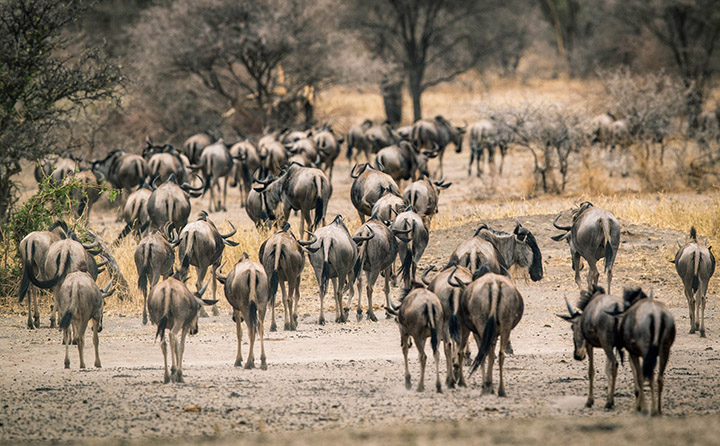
{"points": [[106, 291], [231, 233], [362, 168], [424, 275], [562, 228], [572, 312], [188, 187], [458, 282], [358, 239], [103, 263], [153, 183], [218, 274], [313, 239], [201, 291]]}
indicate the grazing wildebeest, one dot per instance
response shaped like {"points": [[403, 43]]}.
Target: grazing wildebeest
{"points": [[491, 307], [593, 235], [154, 257], [355, 140], [594, 326], [695, 264], [647, 330], [170, 203], [284, 260], [403, 161], [476, 253], [333, 255], [379, 136], [121, 169], [135, 212], [172, 306], [246, 163], [435, 135], [33, 251], [377, 251], [419, 316], [201, 245], [450, 297], [519, 248], [328, 148], [368, 186], [409, 228], [388, 206], [215, 163], [246, 289], [194, 145], [79, 300], [422, 195]]}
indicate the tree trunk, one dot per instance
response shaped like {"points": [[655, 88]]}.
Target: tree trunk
{"points": [[7, 186], [391, 89], [416, 90]]}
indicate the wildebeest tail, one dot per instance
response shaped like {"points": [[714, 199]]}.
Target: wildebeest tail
{"points": [[142, 275], [490, 331], [650, 360], [319, 204], [430, 320], [325, 272], [246, 176], [66, 319], [61, 270], [406, 265], [27, 268], [609, 254], [188, 249], [162, 323], [350, 140], [253, 324], [696, 259], [454, 321], [274, 274]]}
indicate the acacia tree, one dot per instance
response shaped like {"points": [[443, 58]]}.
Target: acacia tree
{"points": [[43, 83], [260, 59], [431, 41]]}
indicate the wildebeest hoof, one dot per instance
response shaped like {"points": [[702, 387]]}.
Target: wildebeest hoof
{"points": [[450, 384], [166, 379], [273, 326], [286, 327], [263, 364], [97, 364], [67, 363], [692, 331], [321, 321], [702, 333], [179, 378], [52, 323], [407, 383], [371, 316], [359, 315], [420, 387], [75, 341], [144, 319], [501, 392], [30, 324], [388, 315], [238, 362], [487, 389], [250, 365], [589, 403], [609, 406]]}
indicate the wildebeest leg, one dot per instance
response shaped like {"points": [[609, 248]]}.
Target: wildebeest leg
{"points": [[405, 344], [371, 279], [691, 306], [198, 284], [591, 375], [163, 347], [224, 202], [420, 345], [179, 356], [576, 264], [67, 342], [664, 355], [653, 404], [487, 378], [53, 317], [503, 151], [504, 338], [250, 362], [639, 382], [81, 343], [359, 314], [238, 332], [173, 355], [263, 358], [449, 359], [321, 321], [459, 375], [593, 274], [30, 323], [294, 309], [611, 367], [388, 273], [287, 308], [215, 310], [36, 314], [96, 342], [436, 356], [702, 297]]}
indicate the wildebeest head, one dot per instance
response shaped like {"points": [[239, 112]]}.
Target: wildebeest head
{"points": [[579, 342], [529, 256]]}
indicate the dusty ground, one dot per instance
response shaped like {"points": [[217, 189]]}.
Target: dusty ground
{"points": [[346, 380]]}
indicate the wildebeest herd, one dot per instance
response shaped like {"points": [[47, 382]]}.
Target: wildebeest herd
{"points": [[474, 293]]}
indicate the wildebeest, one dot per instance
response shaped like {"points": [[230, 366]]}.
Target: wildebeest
{"points": [[170, 203], [163, 161], [695, 264], [194, 145], [403, 161], [647, 331], [435, 135], [78, 300], [487, 136], [284, 260], [273, 157], [33, 251], [422, 195], [121, 169], [303, 152], [247, 162], [409, 228], [450, 297], [379, 136], [135, 212], [368, 186], [377, 251], [388, 206], [172, 306], [201, 245], [262, 201], [328, 147], [419, 316], [594, 326], [246, 289], [85, 192], [154, 257], [491, 307], [519, 248], [333, 255], [215, 163], [593, 235], [355, 140], [477, 252], [56, 168]]}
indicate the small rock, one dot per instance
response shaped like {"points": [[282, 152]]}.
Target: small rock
{"points": [[193, 408]]}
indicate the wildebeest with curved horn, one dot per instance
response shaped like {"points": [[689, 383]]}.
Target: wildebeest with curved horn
{"points": [[409, 228], [422, 195], [419, 316], [593, 235], [170, 203], [333, 255], [262, 201], [246, 289], [519, 248], [79, 300], [284, 260], [647, 331], [33, 252], [201, 245], [403, 161], [368, 186], [491, 307], [377, 251], [695, 264], [594, 326], [154, 258], [435, 135], [172, 306]]}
